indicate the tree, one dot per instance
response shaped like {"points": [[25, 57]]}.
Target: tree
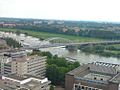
{"points": [[52, 73], [57, 67], [76, 64], [52, 87], [18, 32], [12, 43], [61, 76]]}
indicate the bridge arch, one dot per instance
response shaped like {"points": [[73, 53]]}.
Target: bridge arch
{"points": [[58, 40]]}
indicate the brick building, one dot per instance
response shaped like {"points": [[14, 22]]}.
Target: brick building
{"points": [[94, 76]]}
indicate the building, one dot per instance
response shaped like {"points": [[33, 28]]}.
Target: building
{"points": [[32, 65], [24, 82], [15, 63], [15, 53], [5, 65], [94, 76], [6, 59]]}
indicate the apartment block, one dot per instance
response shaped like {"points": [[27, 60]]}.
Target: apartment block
{"points": [[5, 65], [32, 65], [15, 53], [94, 76]]}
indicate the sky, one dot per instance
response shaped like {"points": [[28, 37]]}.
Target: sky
{"points": [[90, 10]]}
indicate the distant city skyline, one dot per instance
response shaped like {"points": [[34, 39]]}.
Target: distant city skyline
{"points": [[80, 10]]}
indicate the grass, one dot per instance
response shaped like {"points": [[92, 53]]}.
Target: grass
{"points": [[45, 35], [112, 51], [116, 45]]}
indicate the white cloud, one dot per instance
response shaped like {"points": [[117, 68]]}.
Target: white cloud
{"points": [[62, 9]]}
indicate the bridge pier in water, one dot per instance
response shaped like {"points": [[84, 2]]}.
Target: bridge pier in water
{"points": [[72, 47]]}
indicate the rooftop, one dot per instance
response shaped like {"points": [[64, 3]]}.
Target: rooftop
{"points": [[98, 71], [27, 81], [22, 89], [26, 58], [98, 77], [32, 84], [22, 77]]}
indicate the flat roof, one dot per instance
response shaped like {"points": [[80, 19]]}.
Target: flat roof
{"points": [[22, 89], [98, 71], [98, 77], [26, 58], [32, 84], [22, 77], [116, 79], [17, 77]]}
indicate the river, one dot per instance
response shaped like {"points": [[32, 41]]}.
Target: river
{"points": [[62, 52], [80, 56]]}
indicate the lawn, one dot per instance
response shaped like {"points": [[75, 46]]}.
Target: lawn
{"points": [[45, 35]]}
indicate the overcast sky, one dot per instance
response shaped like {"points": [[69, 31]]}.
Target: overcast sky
{"points": [[97, 10]]}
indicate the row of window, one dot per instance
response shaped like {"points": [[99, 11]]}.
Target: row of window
{"points": [[36, 66], [36, 63], [82, 87], [36, 69], [36, 59]]}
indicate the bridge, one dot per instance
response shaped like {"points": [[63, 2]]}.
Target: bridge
{"points": [[58, 41]]}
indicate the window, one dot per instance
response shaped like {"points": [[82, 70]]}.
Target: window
{"points": [[17, 86], [89, 89], [95, 78], [75, 85], [101, 79], [5, 82], [82, 87]]}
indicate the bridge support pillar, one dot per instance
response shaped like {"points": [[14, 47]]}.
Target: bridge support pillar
{"points": [[71, 47]]}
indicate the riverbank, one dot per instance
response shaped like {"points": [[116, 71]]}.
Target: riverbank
{"points": [[45, 35], [102, 50], [79, 55]]}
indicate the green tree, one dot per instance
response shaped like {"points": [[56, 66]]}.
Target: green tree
{"points": [[52, 73], [76, 64], [57, 67], [12, 43], [18, 32], [52, 87], [61, 76]]}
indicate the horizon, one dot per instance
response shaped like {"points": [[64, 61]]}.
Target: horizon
{"points": [[74, 10], [64, 20]]}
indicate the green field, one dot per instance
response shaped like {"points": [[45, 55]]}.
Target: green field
{"points": [[44, 35], [103, 50]]}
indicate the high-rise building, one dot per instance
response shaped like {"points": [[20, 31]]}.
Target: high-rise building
{"points": [[32, 65], [5, 65]]}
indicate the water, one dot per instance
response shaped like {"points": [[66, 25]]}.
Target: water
{"points": [[80, 56]]}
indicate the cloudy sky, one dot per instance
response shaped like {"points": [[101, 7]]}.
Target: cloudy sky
{"points": [[97, 10]]}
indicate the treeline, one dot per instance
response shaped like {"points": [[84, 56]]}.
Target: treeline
{"points": [[57, 67], [84, 28], [12, 43], [95, 32], [103, 50], [103, 34]]}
